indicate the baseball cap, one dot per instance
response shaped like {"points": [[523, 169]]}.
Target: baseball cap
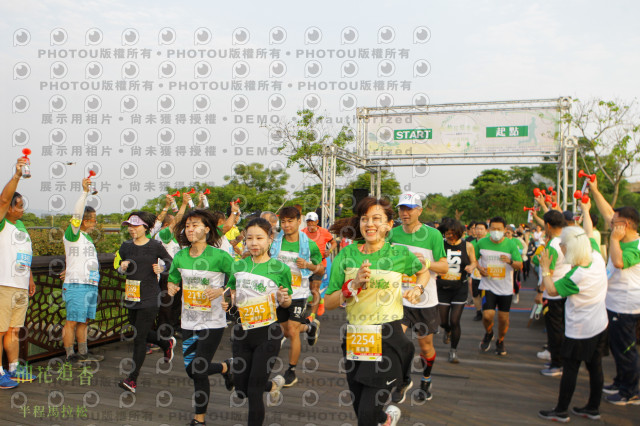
{"points": [[134, 221], [311, 216], [410, 199], [568, 215]]}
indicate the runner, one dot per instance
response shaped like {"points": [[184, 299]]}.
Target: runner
{"points": [[201, 267], [304, 259], [81, 280], [480, 232], [16, 280], [258, 284], [623, 297], [452, 286], [497, 258], [321, 237], [137, 259], [510, 233], [377, 353], [233, 234], [554, 318], [585, 287], [423, 317]]}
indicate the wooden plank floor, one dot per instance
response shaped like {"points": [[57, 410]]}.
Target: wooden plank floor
{"points": [[482, 389]]}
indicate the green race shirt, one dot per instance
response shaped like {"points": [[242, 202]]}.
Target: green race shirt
{"points": [[381, 301], [289, 252], [500, 279], [197, 274], [429, 242], [623, 295]]}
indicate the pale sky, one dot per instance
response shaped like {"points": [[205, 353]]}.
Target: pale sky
{"points": [[477, 51]]}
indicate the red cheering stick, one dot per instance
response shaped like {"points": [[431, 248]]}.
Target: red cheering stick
{"points": [[174, 205], [583, 192], [527, 209], [205, 201], [578, 196], [94, 191], [550, 189], [26, 168], [192, 191], [236, 201], [536, 192], [547, 198]]}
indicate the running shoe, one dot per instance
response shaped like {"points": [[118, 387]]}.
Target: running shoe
{"points": [[399, 395], [314, 332], [516, 298], [76, 361], [562, 417], [611, 389], [446, 339], [195, 422], [149, 350], [485, 345], [22, 375], [453, 356], [128, 385], [168, 354], [424, 393], [393, 415], [500, 350], [545, 355], [228, 376], [586, 412], [618, 399], [290, 378], [551, 371], [6, 382], [274, 396], [478, 316]]}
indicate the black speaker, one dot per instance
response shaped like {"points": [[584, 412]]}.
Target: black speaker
{"points": [[358, 195]]}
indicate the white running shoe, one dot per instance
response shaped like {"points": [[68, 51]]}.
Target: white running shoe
{"points": [[274, 397], [546, 355], [393, 415]]}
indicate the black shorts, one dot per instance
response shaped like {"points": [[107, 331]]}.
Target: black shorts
{"points": [[453, 295], [295, 311], [491, 300], [315, 277], [423, 321], [475, 291]]}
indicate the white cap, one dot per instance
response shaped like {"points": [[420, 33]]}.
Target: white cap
{"points": [[311, 216], [410, 199]]}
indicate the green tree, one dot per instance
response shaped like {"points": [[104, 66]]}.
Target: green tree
{"points": [[610, 132], [302, 141]]}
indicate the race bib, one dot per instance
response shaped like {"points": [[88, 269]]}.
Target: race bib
{"points": [[194, 298], [258, 311], [132, 291], [296, 280], [364, 342], [451, 276], [94, 277], [497, 271], [409, 281], [23, 261]]}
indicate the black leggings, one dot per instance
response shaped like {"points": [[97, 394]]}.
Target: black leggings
{"points": [[198, 348], [368, 402], [450, 320], [570, 369], [254, 355], [142, 321]]}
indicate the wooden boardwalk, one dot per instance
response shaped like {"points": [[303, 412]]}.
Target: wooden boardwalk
{"points": [[482, 389]]}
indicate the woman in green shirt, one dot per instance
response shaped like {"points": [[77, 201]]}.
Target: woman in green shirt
{"points": [[259, 286], [368, 277]]}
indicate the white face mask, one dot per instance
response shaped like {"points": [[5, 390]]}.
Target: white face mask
{"points": [[496, 235]]}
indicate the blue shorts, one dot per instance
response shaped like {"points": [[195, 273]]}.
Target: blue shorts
{"points": [[81, 301]]}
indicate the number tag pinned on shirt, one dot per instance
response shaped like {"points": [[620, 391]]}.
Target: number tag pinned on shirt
{"points": [[296, 280], [194, 298], [132, 291], [364, 342], [258, 311], [497, 271]]}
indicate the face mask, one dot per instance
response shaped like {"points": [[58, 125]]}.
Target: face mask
{"points": [[496, 235]]}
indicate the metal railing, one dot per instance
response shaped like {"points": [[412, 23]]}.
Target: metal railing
{"points": [[42, 335]]}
